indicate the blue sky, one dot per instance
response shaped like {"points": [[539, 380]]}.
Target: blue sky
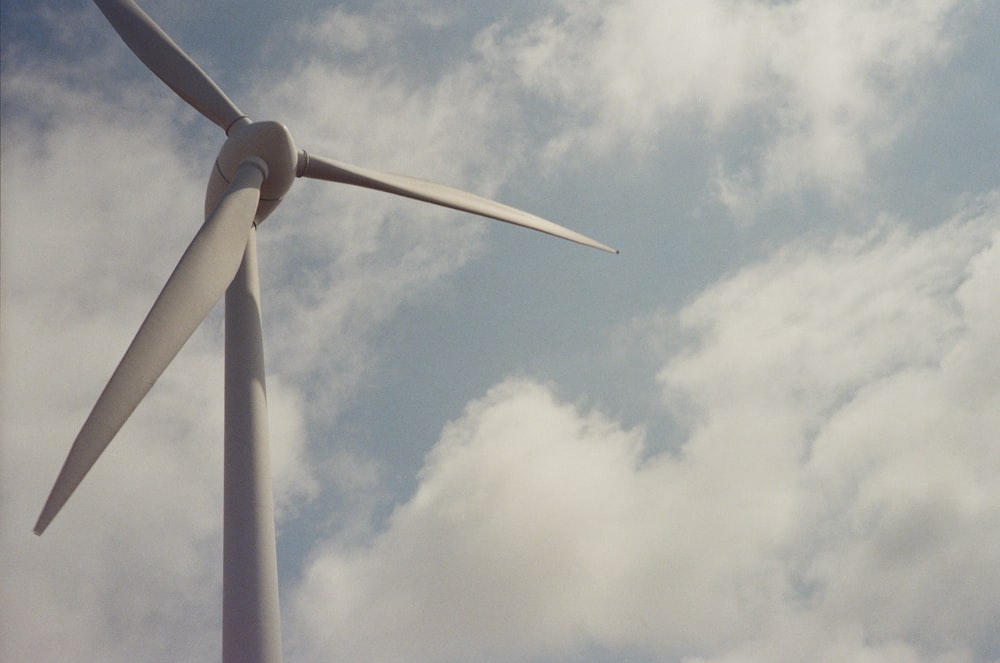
{"points": [[767, 431]]}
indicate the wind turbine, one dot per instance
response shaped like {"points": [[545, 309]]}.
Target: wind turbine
{"points": [[255, 168]]}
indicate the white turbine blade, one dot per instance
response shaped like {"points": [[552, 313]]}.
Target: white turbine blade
{"points": [[438, 194], [202, 275], [171, 64]]}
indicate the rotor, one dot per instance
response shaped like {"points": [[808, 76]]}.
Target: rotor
{"points": [[267, 145]]}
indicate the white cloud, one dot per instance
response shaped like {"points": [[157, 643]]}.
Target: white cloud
{"points": [[835, 499], [824, 85], [346, 33], [73, 296], [99, 201], [798, 521], [354, 256], [100, 198]]}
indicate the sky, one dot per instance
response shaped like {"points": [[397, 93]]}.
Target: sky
{"points": [[768, 430]]}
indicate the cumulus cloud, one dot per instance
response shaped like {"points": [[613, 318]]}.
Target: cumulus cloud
{"points": [[835, 497], [835, 492], [74, 290], [821, 86], [100, 199]]}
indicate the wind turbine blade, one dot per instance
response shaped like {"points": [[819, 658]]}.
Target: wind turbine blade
{"points": [[200, 278], [171, 64], [438, 194]]}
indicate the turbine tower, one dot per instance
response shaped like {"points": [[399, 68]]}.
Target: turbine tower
{"points": [[256, 166]]}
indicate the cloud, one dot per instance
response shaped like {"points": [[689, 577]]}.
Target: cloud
{"points": [[835, 497], [377, 29], [99, 201], [74, 290], [833, 493], [352, 256], [803, 93]]}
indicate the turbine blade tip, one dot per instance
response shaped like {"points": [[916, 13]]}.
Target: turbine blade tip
{"points": [[43, 522]]}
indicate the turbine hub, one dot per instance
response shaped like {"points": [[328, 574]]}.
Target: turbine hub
{"points": [[267, 141]]}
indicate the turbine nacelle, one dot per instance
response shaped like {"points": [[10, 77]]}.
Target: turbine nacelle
{"points": [[269, 146]]}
